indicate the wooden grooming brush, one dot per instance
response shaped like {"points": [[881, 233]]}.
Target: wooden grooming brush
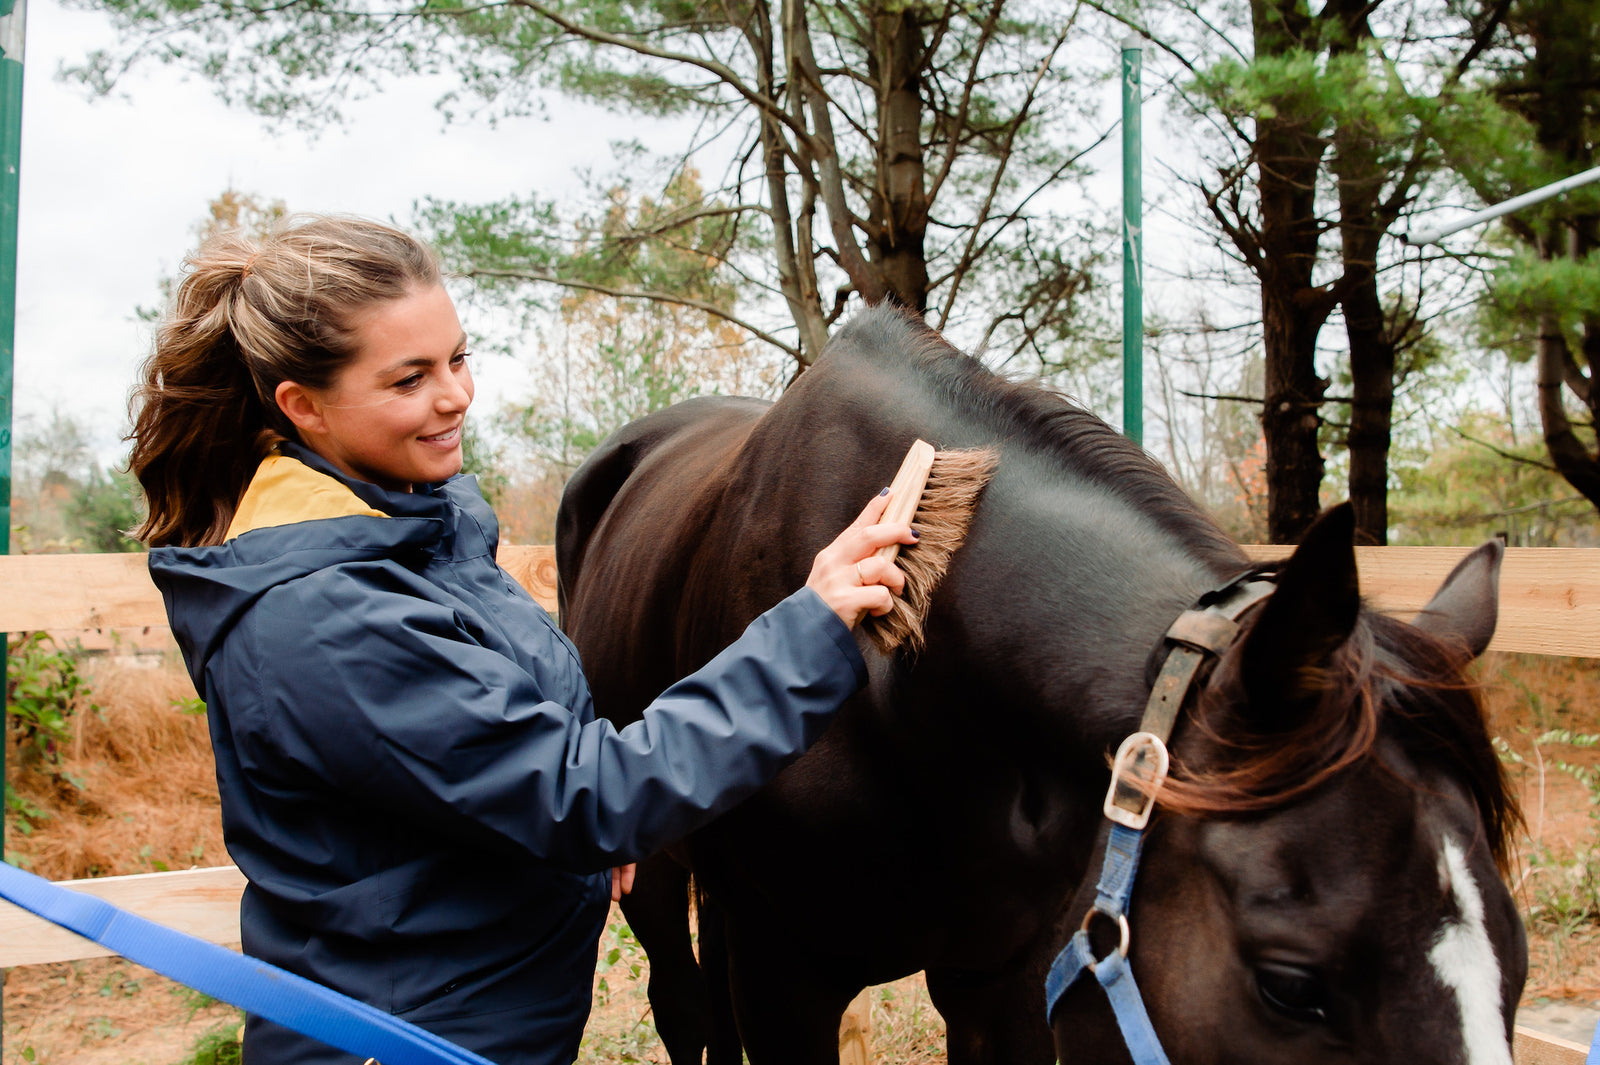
{"points": [[937, 492], [905, 491]]}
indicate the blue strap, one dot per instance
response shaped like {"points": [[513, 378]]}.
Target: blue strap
{"points": [[1118, 867], [1117, 873], [1116, 976], [1594, 1048], [1112, 894], [255, 986], [1075, 959]]}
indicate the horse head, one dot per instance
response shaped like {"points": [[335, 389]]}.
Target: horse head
{"points": [[1323, 875]]}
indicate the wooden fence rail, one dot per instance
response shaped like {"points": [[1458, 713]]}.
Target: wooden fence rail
{"points": [[1549, 597], [1549, 604]]}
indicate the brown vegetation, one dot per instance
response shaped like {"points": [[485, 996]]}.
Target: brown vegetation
{"points": [[1546, 713], [135, 792]]}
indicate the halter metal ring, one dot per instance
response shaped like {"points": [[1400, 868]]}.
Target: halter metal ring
{"points": [[1123, 932], [1137, 774]]}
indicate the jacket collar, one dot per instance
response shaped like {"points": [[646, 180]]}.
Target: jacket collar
{"points": [[295, 484]]}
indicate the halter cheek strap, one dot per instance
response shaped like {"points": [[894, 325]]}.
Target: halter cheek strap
{"points": [[1113, 971], [1137, 774]]}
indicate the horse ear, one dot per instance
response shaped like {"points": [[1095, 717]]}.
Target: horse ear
{"points": [[1464, 610], [1310, 616]]}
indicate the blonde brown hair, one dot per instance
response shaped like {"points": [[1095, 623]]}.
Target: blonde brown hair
{"points": [[248, 314]]}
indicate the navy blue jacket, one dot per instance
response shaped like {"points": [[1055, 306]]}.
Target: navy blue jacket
{"points": [[412, 776]]}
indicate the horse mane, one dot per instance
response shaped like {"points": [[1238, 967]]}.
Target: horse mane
{"points": [[1031, 416], [1404, 684], [941, 519]]}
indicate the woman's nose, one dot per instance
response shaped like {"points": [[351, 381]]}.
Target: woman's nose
{"points": [[456, 394]]}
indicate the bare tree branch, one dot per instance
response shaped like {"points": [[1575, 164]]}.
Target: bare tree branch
{"points": [[639, 294], [721, 71], [1509, 456]]}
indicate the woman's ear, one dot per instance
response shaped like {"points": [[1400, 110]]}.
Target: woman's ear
{"points": [[301, 406]]}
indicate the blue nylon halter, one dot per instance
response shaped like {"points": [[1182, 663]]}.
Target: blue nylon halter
{"points": [[1206, 630], [260, 988], [1113, 971]]}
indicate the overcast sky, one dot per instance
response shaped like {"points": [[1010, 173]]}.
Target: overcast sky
{"points": [[112, 190]]}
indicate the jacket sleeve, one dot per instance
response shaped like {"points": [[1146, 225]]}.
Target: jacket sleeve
{"points": [[398, 706]]}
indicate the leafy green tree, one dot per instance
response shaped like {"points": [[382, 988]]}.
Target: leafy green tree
{"points": [[1544, 300], [104, 508], [879, 149], [608, 361], [1481, 479], [483, 458], [1318, 131], [62, 499]]}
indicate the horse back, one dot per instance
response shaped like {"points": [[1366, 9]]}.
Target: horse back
{"points": [[633, 520]]}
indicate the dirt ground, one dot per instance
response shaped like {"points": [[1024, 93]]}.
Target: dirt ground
{"points": [[135, 793]]}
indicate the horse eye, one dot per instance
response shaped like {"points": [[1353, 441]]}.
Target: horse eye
{"points": [[1294, 993]]}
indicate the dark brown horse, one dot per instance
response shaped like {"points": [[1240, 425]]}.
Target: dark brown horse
{"points": [[1323, 881]]}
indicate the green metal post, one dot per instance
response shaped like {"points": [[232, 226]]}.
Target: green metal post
{"points": [[1132, 243], [13, 19]]}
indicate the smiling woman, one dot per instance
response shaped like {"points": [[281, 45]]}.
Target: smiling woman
{"points": [[307, 314], [393, 415], [412, 777]]}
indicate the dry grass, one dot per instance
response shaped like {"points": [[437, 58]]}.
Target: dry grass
{"points": [[136, 789], [105, 1011], [133, 792]]}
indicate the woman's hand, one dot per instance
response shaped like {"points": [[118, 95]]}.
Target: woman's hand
{"points": [[849, 578], [622, 880]]}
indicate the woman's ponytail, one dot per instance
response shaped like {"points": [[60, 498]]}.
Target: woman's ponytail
{"points": [[246, 316]]}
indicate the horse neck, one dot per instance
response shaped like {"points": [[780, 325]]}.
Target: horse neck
{"points": [[1070, 587]]}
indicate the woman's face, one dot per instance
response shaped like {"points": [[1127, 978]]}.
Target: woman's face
{"points": [[393, 415]]}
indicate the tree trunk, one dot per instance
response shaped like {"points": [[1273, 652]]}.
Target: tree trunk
{"points": [[899, 222], [1292, 314], [794, 281], [1371, 409], [1372, 346], [1288, 158], [1561, 106], [1570, 455], [1289, 415]]}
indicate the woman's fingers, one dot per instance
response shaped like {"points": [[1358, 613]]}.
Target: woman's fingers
{"points": [[865, 541], [881, 571], [848, 575], [882, 600]]}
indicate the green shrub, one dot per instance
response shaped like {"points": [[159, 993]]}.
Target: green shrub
{"points": [[43, 690]]}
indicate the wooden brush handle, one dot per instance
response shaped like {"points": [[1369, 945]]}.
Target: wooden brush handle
{"points": [[905, 492]]}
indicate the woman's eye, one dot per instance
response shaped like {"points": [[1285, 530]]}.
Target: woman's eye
{"points": [[409, 382], [459, 357], [1295, 993]]}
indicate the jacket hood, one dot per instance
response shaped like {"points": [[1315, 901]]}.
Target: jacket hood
{"points": [[299, 515]]}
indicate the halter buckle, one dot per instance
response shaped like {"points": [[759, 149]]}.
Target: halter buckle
{"points": [[1137, 774]]}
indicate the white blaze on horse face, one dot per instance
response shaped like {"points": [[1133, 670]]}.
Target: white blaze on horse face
{"points": [[1465, 961]]}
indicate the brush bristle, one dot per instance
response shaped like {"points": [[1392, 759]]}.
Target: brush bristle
{"points": [[943, 515]]}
